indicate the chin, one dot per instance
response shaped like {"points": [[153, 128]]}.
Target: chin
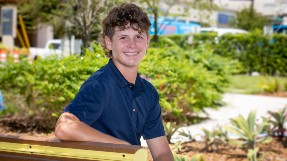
{"points": [[132, 63]]}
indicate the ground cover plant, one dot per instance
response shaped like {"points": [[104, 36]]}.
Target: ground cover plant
{"points": [[259, 84], [253, 142]]}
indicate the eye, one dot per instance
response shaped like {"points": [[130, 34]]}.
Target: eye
{"points": [[123, 37], [139, 37]]}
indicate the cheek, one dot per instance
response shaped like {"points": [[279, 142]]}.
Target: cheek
{"points": [[118, 46]]}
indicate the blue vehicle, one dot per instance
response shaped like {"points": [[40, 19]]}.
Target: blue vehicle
{"points": [[168, 26], [280, 28]]}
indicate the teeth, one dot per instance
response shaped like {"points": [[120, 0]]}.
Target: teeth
{"points": [[131, 54]]}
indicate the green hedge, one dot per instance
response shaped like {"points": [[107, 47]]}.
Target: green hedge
{"points": [[48, 85], [256, 52], [187, 81]]}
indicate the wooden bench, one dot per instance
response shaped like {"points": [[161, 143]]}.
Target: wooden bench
{"points": [[17, 148]]}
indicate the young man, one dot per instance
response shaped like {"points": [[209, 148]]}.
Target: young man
{"points": [[115, 105]]}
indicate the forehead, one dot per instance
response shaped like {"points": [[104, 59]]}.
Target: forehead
{"points": [[129, 29]]}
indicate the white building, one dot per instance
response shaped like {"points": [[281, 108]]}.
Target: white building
{"points": [[228, 9]]}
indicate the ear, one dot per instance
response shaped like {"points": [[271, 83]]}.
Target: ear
{"points": [[148, 40], [108, 43]]}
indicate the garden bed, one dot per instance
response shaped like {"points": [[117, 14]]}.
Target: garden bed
{"points": [[273, 151]]}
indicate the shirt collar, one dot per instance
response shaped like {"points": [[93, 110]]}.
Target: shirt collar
{"points": [[121, 81]]}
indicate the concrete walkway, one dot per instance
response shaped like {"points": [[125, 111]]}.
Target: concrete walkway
{"points": [[236, 104]]}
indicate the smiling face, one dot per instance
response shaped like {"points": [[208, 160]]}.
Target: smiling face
{"points": [[128, 47]]}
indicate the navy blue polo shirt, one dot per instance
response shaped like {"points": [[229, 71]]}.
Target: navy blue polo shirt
{"points": [[109, 103]]}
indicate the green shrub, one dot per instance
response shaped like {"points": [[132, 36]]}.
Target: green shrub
{"points": [[187, 80], [186, 133], [48, 85], [214, 138], [170, 128], [277, 120], [248, 131], [256, 52], [269, 85]]}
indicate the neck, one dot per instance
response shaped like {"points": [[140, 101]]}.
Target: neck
{"points": [[129, 74]]}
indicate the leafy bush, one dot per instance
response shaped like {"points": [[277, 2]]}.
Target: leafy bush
{"points": [[256, 52], [248, 131], [270, 85], [214, 138], [170, 128], [277, 120], [186, 133], [187, 81], [48, 85]]}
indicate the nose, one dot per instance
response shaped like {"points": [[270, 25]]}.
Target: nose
{"points": [[132, 43]]}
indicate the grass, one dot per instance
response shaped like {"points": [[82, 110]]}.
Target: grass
{"points": [[245, 84]]}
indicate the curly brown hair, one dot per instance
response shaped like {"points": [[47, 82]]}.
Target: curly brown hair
{"points": [[121, 16]]}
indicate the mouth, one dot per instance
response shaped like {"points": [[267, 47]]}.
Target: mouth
{"points": [[131, 53]]}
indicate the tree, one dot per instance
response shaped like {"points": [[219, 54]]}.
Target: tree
{"points": [[81, 18], [249, 20], [36, 12]]}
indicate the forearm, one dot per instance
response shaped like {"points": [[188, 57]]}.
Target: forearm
{"points": [[70, 128], [164, 158], [159, 149]]}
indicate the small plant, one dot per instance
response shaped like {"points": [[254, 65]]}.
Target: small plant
{"points": [[186, 133], [214, 138], [270, 85], [179, 158], [197, 157], [278, 119], [248, 131], [170, 128], [178, 146]]}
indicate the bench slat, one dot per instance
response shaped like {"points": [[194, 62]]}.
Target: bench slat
{"points": [[57, 150]]}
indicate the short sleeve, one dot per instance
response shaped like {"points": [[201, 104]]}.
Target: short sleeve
{"points": [[89, 102], [153, 127]]}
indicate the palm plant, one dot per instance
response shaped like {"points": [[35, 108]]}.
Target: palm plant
{"points": [[249, 133], [278, 119], [214, 138], [178, 146], [170, 128], [186, 133]]}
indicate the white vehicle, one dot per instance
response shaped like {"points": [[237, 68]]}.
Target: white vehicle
{"points": [[222, 31], [52, 47], [59, 47], [219, 31]]}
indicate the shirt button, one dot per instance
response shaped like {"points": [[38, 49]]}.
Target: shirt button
{"points": [[134, 110]]}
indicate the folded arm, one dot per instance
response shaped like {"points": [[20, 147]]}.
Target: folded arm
{"points": [[69, 127]]}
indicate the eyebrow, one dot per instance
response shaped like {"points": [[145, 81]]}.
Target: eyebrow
{"points": [[122, 35], [128, 35]]}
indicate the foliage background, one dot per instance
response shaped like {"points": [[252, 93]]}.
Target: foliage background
{"points": [[188, 81], [255, 52]]}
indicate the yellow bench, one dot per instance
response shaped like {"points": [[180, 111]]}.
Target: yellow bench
{"points": [[16, 148]]}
